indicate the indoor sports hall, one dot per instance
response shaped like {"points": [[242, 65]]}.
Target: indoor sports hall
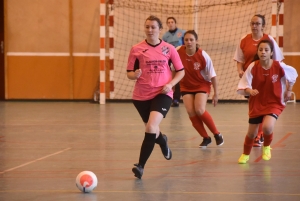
{"points": [[65, 104]]}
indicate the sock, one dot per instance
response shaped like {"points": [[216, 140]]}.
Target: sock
{"points": [[268, 139], [147, 148], [160, 140], [198, 125], [248, 144], [209, 122]]}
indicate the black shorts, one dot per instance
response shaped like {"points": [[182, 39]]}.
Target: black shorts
{"points": [[259, 120], [194, 93], [160, 103]]}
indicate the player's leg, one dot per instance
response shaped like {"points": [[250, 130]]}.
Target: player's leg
{"points": [[268, 126], [188, 101], [161, 104], [200, 108], [249, 139], [148, 143], [259, 139]]}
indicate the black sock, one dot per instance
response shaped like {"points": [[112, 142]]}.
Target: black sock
{"points": [[160, 140], [147, 148]]}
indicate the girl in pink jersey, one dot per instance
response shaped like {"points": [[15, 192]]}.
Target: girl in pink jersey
{"points": [[195, 87], [246, 51], [148, 64], [269, 84]]}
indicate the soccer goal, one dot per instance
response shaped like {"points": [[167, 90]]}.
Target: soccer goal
{"points": [[219, 23]]}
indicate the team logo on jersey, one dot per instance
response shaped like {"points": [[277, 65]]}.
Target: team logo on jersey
{"points": [[165, 50], [274, 78], [179, 34], [197, 65]]}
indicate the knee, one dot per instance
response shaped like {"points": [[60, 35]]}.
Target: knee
{"points": [[251, 135], [267, 130], [150, 128], [200, 111]]}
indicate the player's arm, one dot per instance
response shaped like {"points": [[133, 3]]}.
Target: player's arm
{"points": [[178, 76], [239, 58], [215, 86], [252, 92], [136, 72], [240, 68], [133, 75]]}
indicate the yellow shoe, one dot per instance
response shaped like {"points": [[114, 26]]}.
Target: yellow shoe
{"points": [[243, 159], [266, 153]]}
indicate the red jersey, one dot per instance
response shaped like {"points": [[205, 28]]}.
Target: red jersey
{"points": [[247, 49], [199, 70], [271, 85]]}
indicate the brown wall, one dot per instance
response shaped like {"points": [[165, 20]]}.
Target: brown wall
{"points": [[52, 49], [67, 31], [291, 38]]}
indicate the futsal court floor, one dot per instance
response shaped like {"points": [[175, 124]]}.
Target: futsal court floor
{"points": [[44, 145]]}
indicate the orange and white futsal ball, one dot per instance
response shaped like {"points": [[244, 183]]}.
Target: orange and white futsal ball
{"points": [[86, 181]]}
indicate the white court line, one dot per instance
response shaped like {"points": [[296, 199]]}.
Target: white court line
{"points": [[11, 169]]}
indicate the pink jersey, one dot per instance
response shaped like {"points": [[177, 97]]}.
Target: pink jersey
{"points": [[154, 63], [247, 49], [198, 69], [271, 85]]}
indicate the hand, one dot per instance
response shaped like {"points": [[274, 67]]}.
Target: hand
{"points": [[138, 73], [166, 89], [253, 92], [241, 73], [215, 100], [287, 96]]}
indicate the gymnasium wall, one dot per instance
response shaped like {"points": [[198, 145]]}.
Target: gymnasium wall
{"points": [[291, 39], [52, 49]]}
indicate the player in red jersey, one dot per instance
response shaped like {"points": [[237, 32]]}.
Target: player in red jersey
{"points": [[195, 87], [246, 50], [269, 84], [148, 64]]}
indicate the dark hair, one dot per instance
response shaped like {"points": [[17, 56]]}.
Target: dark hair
{"points": [[154, 18], [195, 35], [270, 43], [171, 18], [262, 17], [191, 32]]}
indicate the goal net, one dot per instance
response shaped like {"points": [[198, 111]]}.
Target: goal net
{"points": [[220, 24]]}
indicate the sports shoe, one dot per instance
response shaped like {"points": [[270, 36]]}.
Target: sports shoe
{"points": [[261, 139], [243, 159], [138, 170], [175, 103], [166, 151], [266, 153], [219, 139], [257, 142], [205, 142]]}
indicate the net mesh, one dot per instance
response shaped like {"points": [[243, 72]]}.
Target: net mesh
{"points": [[220, 24]]}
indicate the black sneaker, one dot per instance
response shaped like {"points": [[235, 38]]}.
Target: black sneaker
{"points": [[175, 103], [166, 151], [138, 170], [219, 139], [205, 142], [261, 140]]}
